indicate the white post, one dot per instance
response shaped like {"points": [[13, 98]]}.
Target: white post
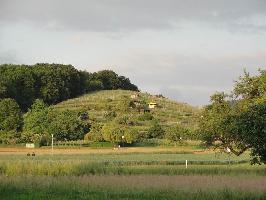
{"points": [[186, 164], [52, 144]]}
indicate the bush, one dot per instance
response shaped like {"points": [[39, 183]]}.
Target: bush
{"points": [[145, 117], [95, 133], [156, 130]]}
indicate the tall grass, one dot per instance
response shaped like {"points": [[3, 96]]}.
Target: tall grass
{"points": [[94, 188], [70, 167]]}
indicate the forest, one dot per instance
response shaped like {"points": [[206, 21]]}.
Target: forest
{"points": [[54, 83]]}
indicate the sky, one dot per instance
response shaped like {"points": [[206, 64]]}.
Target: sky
{"points": [[183, 49]]}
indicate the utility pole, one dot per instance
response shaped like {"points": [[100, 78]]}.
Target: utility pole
{"points": [[52, 144]]}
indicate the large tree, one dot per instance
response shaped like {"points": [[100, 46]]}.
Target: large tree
{"points": [[36, 122], [236, 122], [10, 120], [68, 125], [10, 115]]}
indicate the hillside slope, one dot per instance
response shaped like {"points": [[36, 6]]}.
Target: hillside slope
{"points": [[100, 105]]}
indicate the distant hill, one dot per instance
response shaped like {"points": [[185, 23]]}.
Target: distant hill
{"points": [[102, 105]]}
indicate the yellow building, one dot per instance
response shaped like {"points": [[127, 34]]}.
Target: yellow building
{"points": [[152, 105]]}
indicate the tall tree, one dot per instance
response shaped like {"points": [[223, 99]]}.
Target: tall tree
{"points": [[10, 120], [236, 122], [10, 115]]}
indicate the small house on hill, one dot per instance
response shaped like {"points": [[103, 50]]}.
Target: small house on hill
{"points": [[134, 96], [152, 105]]}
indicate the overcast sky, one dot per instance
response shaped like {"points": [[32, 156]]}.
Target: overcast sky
{"points": [[183, 49]]}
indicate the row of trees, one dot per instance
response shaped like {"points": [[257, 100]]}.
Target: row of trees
{"points": [[237, 121], [54, 83], [123, 130]]}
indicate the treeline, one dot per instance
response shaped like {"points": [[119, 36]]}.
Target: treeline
{"points": [[53, 83], [39, 123]]}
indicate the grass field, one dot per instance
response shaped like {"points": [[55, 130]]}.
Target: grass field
{"points": [[129, 173]]}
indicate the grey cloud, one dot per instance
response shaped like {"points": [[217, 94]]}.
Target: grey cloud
{"points": [[190, 79], [128, 15], [9, 56]]}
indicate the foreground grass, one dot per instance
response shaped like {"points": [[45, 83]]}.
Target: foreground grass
{"points": [[79, 168], [142, 174], [127, 164], [130, 187]]}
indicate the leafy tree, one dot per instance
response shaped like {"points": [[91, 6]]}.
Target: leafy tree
{"points": [[124, 83], [176, 133], [126, 120], [10, 120], [95, 133], [118, 133], [109, 79], [156, 130], [54, 82], [10, 115], [113, 132], [234, 122], [37, 122], [67, 125], [130, 135], [17, 82], [250, 126]]}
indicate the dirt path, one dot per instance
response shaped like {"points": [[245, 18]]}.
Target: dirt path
{"points": [[84, 150]]}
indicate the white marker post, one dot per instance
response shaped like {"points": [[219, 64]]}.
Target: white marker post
{"points": [[186, 164], [52, 144]]}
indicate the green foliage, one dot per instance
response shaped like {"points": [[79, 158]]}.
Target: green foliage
{"points": [[10, 115], [95, 133], [67, 125], [41, 121], [238, 123], [17, 82], [145, 117], [109, 115], [130, 135], [251, 87], [125, 120], [10, 121], [113, 132], [124, 104], [36, 122], [176, 133], [251, 126], [54, 82], [156, 130]]}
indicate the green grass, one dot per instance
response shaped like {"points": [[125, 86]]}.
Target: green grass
{"points": [[168, 112], [79, 188], [122, 174], [130, 163]]}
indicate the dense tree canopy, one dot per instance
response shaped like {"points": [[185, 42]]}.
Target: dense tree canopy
{"points": [[36, 122], [10, 120], [54, 82], [68, 125]]}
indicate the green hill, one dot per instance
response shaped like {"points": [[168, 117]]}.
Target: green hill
{"points": [[103, 105]]}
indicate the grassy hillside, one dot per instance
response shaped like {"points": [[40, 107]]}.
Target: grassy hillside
{"points": [[100, 104]]}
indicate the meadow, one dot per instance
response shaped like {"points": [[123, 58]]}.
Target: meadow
{"points": [[128, 173]]}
